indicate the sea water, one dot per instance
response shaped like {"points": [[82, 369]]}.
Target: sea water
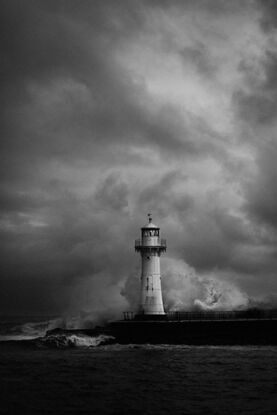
{"points": [[86, 376]]}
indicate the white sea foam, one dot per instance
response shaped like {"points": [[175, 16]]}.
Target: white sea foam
{"points": [[74, 340]]}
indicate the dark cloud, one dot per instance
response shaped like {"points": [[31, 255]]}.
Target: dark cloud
{"points": [[64, 89], [112, 194], [269, 14], [200, 59], [257, 109], [259, 104], [261, 191]]}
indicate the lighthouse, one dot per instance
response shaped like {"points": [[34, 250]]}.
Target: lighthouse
{"points": [[150, 247]]}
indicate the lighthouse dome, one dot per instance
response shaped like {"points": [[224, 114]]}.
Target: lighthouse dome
{"points": [[150, 225]]}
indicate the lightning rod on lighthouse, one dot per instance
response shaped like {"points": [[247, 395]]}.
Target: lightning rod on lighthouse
{"points": [[150, 247]]}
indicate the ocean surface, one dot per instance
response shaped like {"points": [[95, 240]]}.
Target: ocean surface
{"points": [[81, 375]]}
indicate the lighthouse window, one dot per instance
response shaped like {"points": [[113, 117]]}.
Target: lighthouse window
{"points": [[150, 232]]}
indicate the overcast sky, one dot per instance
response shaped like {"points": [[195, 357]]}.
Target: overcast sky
{"points": [[112, 109]]}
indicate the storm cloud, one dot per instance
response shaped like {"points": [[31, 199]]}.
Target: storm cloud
{"points": [[114, 109]]}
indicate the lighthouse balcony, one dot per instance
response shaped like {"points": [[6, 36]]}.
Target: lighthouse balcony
{"points": [[159, 244]]}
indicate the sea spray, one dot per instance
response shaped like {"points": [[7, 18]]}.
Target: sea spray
{"points": [[221, 295], [184, 289], [70, 340]]}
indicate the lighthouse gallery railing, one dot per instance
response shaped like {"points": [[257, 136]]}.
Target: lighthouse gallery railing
{"points": [[160, 242]]}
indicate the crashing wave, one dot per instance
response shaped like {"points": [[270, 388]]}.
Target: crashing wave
{"points": [[35, 329], [74, 340]]}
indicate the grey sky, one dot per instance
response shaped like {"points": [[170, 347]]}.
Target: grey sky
{"points": [[111, 109]]}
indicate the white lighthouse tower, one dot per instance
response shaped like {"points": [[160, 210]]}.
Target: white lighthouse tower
{"points": [[150, 247]]}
